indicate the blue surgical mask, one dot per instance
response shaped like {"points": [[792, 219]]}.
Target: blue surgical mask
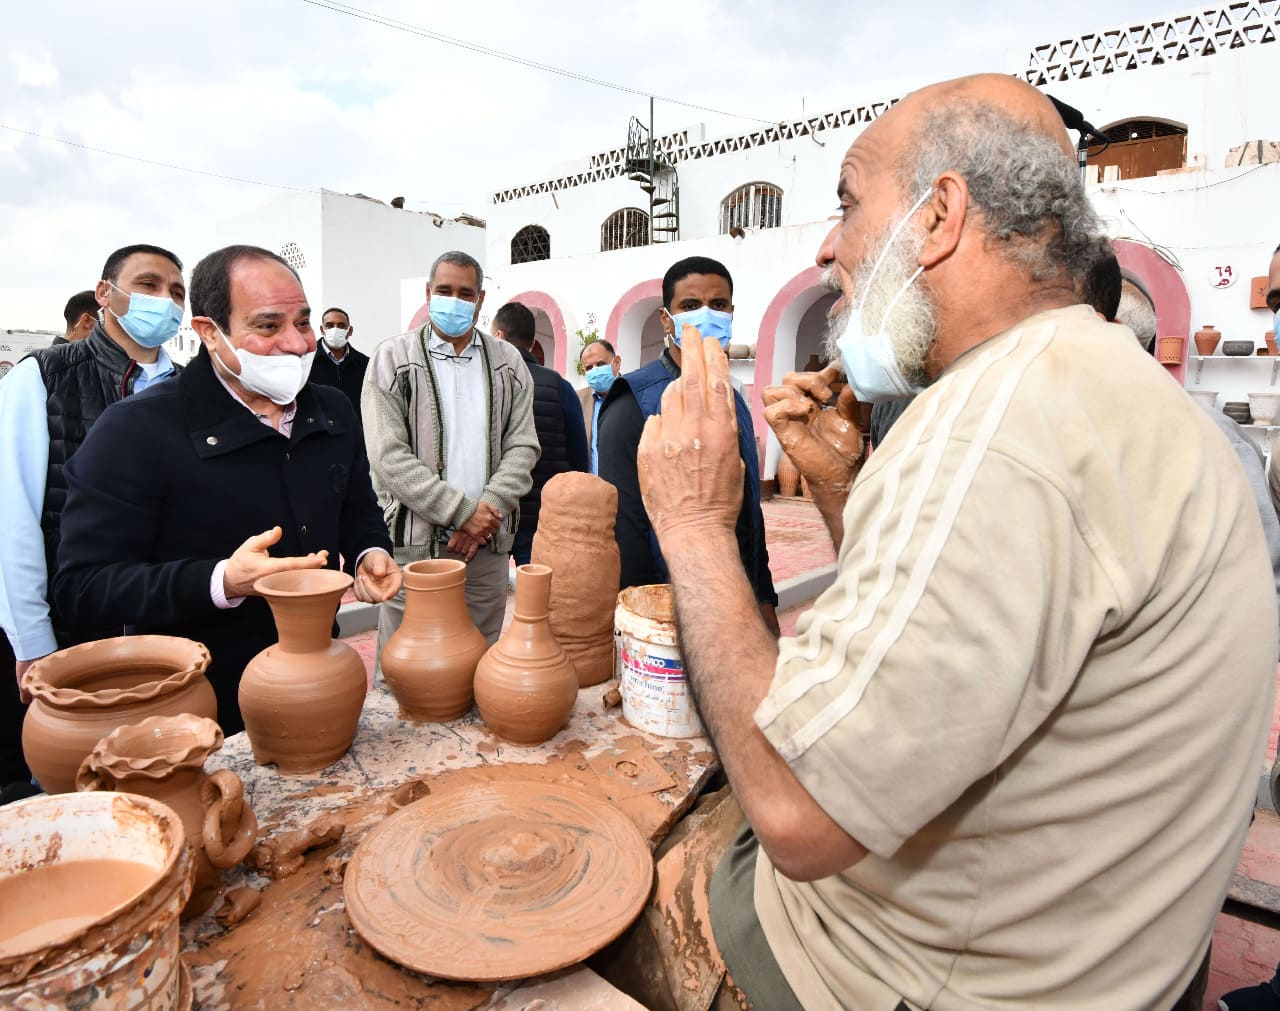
{"points": [[151, 320], [869, 361], [710, 323], [600, 378], [451, 317]]}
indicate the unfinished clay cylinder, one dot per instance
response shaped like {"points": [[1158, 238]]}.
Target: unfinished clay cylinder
{"points": [[430, 662], [82, 693], [301, 698], [575, 536], [525, 684], [788, 477], [163, 757]]}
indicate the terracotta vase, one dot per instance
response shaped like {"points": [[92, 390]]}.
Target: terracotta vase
{"points": [[1169, 349], [301, 698], [788, 477], [83, 693], [1207, 339], [163, 757], [575, 537], [525, 684], [430, 662], [1270, 338]]}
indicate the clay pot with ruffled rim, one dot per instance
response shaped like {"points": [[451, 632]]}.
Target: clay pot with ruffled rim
{"points": [[82, 693], [429, 663], [301, 698], [163, 757], [788, 477], [575, 536], [1207, 339], [525, 685]]}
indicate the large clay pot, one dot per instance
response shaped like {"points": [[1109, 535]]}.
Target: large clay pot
{"points": [[575, 537], [430, 662], [163, 757], [83, 693], [1207, 339], [301, 698], [788, 477], [525, 684]]}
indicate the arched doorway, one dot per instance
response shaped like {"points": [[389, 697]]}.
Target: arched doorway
{"points": [[549, 327], [633, 327], [811, 333]]}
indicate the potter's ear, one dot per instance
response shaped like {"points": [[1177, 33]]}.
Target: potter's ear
{"points": [[943, 217]]}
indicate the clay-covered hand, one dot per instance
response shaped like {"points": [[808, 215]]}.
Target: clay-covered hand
{"points": [[824, 443], [377, 577], [251, 561], [20, 669], [689, 466], [462, 543], [484, 522]]}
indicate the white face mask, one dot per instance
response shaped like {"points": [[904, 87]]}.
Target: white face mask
{"points": [[336, 337], [276, 377]]}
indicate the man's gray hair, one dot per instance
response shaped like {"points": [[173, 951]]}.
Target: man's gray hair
{"points": [[459, 259], [1030, 194]]}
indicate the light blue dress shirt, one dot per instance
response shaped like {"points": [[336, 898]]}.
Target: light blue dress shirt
{"points": [[597, 402], [24, 464]]}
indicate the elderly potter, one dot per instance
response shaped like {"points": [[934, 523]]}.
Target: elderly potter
{"points": [[958, 778]]}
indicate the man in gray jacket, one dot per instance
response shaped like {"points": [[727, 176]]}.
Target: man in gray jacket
{"points": [[448, 416]]}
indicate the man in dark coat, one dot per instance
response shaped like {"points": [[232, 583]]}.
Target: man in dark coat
{"points": [[180, 499], [557, 418], [337, 363]]}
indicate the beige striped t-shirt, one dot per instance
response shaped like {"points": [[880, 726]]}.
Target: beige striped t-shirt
{"points": [[1038, 691]]}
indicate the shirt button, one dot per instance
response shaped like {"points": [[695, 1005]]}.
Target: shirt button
{"points": [[303, 531], [286, 456], [212, 440]]}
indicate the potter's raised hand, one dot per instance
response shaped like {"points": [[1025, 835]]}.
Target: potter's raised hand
{"points": [[250, 562], [484, 522], [377, 577], [824, 443], [689, 466]]}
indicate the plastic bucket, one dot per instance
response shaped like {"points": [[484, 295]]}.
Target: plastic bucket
{"points": [[655, 694], [127, 956]]}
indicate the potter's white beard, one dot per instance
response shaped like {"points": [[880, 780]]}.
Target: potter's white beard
{"points": [[911, 325]]}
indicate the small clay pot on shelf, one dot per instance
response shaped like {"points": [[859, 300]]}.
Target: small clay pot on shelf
{"points": [[1207, 338]]}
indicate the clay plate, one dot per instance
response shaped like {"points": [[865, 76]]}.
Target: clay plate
{"points": [[498, 881]]}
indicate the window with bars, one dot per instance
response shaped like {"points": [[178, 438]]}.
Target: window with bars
{"points": [[624, 229], [532, 242], [754, 205]]}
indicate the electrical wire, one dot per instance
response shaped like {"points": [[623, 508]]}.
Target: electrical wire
{"points": [[152, 161], [449, 40]]}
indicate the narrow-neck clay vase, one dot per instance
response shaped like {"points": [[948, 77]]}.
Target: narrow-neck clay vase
{"points": [[82, 693], [163, 757], [788, 477], [429, 663], [301, 698], [575, 536], [525, 684], [1207, 339]]}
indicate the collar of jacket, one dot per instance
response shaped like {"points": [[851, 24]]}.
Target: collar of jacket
{"points": [[217, 425], [107, 351]]}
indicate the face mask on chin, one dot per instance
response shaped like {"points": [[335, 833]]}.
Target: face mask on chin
{"points": [[279, 378], [869, 359]]}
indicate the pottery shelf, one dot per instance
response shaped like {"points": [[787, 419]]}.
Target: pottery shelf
{"points": [[1274, 360]]}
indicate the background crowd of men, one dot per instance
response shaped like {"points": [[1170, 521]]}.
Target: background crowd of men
{"points": [[1008, 760]]}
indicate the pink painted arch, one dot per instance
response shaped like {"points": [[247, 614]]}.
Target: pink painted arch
{"points": [[637, 293], [803, 282], [541, 300], [1169, 295]]}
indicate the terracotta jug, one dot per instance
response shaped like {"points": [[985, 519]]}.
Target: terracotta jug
{"points": [[525, 684], [301, 698], [429, 663], [788, 477], [575, 536], [1207, 339], [82, 693], [163, 757]]}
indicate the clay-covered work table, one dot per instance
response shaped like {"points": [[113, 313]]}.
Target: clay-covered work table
{"points": [[298, 949]]}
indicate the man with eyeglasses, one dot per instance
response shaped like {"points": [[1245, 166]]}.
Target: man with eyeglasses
{"points": [[448, 415]]}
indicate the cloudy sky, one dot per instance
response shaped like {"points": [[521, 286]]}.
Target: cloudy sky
{"points": [[297, 94]]}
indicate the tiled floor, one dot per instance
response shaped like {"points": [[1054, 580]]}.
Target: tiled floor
{"points": [[1244, 953]]}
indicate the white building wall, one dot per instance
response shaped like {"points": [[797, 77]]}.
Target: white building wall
{"points": [[292, 217]]}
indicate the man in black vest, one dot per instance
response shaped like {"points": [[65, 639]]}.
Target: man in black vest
{"points": [[336, 362], [557, 417], [47, 404]]}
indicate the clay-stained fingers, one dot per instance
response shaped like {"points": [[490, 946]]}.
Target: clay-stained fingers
{"points": [[788, 409], [693, 373], [650, 440], [815, 384], [719, 384]]}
